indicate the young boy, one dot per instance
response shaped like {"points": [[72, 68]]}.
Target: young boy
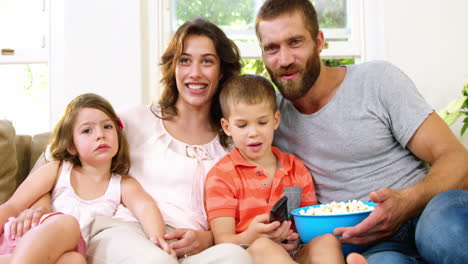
{"points": [[242, 187]]}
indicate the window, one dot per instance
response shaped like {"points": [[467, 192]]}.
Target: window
{"points": [[24, 73], [339, 19]]}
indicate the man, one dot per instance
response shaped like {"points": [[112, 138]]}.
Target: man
{"points": [[365, 133]]}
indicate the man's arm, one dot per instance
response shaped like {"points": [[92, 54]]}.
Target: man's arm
{"points": [[434, 143]]}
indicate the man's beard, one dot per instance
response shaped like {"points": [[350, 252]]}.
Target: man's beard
{"points": [[298, 87]]}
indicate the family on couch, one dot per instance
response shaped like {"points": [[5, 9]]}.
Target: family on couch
{"points": [[363, 131]]}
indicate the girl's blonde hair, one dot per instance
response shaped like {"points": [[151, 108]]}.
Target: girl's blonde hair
{"points": [[62, 135]]}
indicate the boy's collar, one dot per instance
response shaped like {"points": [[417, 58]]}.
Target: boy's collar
{"points": [[284, 160]]}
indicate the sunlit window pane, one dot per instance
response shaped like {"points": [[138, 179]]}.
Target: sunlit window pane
{"points": [[331, 13], [25, 96], [237, 18]]}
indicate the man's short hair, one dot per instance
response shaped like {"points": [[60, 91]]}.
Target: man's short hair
{"points": [[273, 8]]}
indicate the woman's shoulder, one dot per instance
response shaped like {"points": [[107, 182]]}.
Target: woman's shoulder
{"points": [[139, 119], [130, 112]]}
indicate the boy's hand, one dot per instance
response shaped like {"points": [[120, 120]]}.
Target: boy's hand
{"points": [[162, 244], [275, 231], [282, 232], [293, 242]]}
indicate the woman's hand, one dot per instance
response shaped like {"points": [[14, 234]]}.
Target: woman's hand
{"points": [[162, 244], [189, 242], [26, 220]]}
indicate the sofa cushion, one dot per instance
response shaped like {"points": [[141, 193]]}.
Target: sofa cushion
{"points": [[38, 146], [8, 163], [23, 156], [28, 150]]}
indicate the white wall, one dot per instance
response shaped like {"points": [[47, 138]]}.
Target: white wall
{"points": [[428, 39], [95, 47]]}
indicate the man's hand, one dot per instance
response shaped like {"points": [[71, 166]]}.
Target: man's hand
{"points": [[26, 220], [391, 212]]}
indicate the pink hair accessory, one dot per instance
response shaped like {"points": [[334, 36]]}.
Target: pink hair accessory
{"points": [[120, 123]]}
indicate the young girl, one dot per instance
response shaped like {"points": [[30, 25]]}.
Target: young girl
{"points": [[87, 179]]}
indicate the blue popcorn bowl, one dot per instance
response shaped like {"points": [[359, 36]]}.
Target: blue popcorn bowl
{"points": [[310, 226]]}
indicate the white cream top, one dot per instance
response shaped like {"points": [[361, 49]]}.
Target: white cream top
{"points": [[171, 171]]}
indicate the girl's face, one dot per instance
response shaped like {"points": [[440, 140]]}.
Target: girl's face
{"points": [[197, 71], [95, 137]]}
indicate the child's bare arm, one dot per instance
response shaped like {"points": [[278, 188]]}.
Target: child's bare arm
{"points": [[38, 183], [143, 207], [223, 229]]}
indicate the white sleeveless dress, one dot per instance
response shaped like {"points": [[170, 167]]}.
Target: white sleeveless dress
{"points": [[65, 200]]}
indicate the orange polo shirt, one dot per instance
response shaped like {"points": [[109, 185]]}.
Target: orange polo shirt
{"points": [[237, 188]]}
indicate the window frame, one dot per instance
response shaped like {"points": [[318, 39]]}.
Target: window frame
{"points": [[32, 54]]}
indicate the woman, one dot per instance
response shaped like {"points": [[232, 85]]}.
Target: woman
{"points": [[173, 144]]}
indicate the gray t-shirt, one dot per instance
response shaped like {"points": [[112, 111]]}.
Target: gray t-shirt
{"points": [[356, 144]]}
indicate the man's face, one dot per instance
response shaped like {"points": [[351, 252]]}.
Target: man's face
{"points": [[290, 54]]}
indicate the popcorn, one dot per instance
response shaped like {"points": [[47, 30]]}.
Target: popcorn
{"points": [[333, 208]]}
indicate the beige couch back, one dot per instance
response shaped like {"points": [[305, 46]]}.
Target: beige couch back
{"points": [[28, 150], [18, 153]]}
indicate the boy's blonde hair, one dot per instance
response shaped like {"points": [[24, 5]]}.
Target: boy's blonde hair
{"points": [[249, 89], [62, 135]]}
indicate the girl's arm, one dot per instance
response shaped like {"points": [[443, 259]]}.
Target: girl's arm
{"points": [[38, 183], [224, 230], [143, 207]]}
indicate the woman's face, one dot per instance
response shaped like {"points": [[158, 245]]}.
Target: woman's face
{"points": [[197, 71]]}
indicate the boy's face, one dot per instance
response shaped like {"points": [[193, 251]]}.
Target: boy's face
{"points": [[251, 127]]}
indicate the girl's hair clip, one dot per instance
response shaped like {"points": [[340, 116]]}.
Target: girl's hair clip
{"points": [[120, 123]]}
